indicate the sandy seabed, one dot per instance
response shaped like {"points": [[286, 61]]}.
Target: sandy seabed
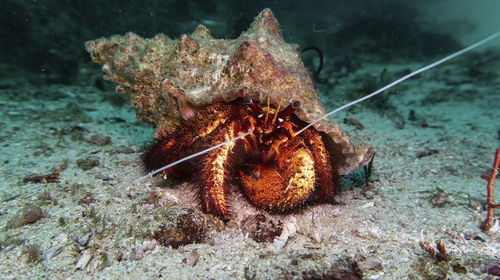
{"points": [[434, 136]]}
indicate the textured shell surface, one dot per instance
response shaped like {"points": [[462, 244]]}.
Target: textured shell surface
{"points": [[169, 80]]}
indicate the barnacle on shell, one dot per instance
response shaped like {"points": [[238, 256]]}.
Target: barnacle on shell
{"points": [[168, 79]]}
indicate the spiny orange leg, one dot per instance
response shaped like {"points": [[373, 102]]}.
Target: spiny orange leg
{"points": [[200, 125], [213, 173], [283, 184], [326, 187]]}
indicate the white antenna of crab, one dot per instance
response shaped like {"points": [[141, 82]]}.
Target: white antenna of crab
{"points": [[406, 77], [150, 174]]}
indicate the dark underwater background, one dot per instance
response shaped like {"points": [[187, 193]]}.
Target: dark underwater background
{"points": [[46, 37]]}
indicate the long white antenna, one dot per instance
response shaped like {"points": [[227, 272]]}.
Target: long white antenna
{"points": [[404, 78]]}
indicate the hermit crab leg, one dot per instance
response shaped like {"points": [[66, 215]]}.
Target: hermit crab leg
{"points": [[213, 172], [198, 126], [325, 186], [154, 172]]}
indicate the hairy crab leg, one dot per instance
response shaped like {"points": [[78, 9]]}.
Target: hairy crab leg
{"points": [[198, 126], [154, 172], [414, 73], [326, 185], [213, 172]]}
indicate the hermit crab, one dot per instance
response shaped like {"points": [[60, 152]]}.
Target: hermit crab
{"points": [[203, 90], [281, 170]]}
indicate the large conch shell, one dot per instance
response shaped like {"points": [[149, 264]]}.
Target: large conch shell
{"points": [[168, 80]]}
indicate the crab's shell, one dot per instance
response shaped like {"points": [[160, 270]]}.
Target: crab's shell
{"points": [[169, 79]]}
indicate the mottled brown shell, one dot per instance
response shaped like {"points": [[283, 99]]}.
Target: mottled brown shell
{"points": [[168, 80]]}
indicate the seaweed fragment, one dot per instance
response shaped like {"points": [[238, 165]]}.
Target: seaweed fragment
{"points": [[28, 215], [260, 229], [42, 179], [486, 225], [33, 253], [188, 229]]}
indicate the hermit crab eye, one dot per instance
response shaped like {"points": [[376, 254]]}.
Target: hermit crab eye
{"points": [[289, 109], [247, 100]]}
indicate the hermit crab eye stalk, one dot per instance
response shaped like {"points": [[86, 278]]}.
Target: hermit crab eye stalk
{"points": [[289, 109], [247, 100]]}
